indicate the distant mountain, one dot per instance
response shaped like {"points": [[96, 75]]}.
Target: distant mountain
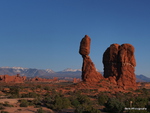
{"points": [[29, 72], [143, 78], [48, 73], [71, 70]]}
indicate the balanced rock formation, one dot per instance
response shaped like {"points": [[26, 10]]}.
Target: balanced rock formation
{"points": [[85, 46], [89, 73], [119, 65]]}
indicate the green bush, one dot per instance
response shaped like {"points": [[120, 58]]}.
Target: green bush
{"points": [[78, 99], [40, 110], [24, 103], [47, 88], [4, 112], [1, 106], [14, 91], [29, 95], [57, 103], [83, 99], [84, 108], [75, 102], [137, 111], [140, 102], [114, 106], [102, 98], [6, 103], [137, 102], [61, 103]]}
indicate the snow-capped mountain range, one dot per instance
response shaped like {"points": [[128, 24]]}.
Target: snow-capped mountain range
{"points": [[70, 70], [48, 73], [45, 73], [29, 72]]}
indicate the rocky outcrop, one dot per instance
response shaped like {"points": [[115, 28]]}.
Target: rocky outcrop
{"points": [[127, 65], [85, 46], [21, 79], [15, 78], [89, 73], [119, 64], [110, 61], [76, 80], [38, 79]]}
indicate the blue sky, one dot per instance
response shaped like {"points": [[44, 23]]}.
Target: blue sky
{"points": [[46, 33]]}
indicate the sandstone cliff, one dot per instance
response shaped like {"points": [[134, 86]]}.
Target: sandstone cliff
{"points": [[15, 78], [119, 63]]}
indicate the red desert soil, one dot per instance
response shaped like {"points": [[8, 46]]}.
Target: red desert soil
{"points": [[17, 109]]}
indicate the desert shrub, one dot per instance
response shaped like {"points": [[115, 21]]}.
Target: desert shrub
{"points": [[78, 99], [140, 102], [120, 96], [137, 111], [36, 102], [6, 103], [84, 108], [39, 86], [70, 93], [83, 99], [4, 112], [1, 106], [148, 105], [33, 95], [24, 103], [114, 106], [137, 90], [137, 102], [57, 102], [75, 102], [30, 95], [14, 91], [102, 98], [24, 95], [82, 103], [145, 91], [60, 103], [47, 88], [40, 110]]}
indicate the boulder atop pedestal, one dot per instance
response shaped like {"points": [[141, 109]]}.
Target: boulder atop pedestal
{"points": [[89, 73], [85, 45]]}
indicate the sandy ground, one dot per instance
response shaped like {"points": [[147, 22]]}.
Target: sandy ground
{"points": [[24, 109], [17, 109], [14, 101]]}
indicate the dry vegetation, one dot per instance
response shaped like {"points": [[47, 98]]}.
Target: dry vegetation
{"points": [[42, 97]]}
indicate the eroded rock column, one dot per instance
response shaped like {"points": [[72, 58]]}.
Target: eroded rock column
{"points": [[89, 73], [119, 65], [127, 65]]}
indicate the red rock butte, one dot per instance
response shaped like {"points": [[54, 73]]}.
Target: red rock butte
{"points": [[119, 65], [16, 78]]}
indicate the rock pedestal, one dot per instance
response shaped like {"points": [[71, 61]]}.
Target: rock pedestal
{"points": [[89, 73]]}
